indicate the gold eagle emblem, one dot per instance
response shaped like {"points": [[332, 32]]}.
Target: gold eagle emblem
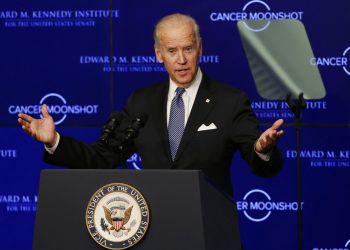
{"points": [[123, 215]]}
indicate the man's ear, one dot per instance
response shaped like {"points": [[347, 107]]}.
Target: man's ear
{"points": [[200, 47], [158, 54]]}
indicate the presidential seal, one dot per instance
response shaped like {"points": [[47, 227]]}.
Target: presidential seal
{"points": [[117, 216]]}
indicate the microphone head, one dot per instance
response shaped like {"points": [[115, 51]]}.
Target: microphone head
{"points": [[114, 121], [141, 119], [132, 130]]}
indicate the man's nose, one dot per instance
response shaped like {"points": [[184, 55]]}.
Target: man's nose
{"points": [[181, 58]]}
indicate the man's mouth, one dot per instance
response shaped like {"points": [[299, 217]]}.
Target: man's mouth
{"points": [[182, 71]]}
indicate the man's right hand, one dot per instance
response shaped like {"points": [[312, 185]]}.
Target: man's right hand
{"points": [[42, 130]]}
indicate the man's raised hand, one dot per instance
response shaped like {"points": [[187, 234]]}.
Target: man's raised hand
{"points": [[42, 130]]}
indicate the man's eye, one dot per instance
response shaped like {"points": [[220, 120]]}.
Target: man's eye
{"points": [[188, 49], [171, 51]]}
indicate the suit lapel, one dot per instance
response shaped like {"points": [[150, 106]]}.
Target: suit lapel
{"points": [[161, 123], [203, 104]]}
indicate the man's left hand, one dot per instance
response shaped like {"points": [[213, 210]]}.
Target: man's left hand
{"points": [[269, 137]]}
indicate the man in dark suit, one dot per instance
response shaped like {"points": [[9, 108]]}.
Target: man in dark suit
{"points": [[193, 122]]}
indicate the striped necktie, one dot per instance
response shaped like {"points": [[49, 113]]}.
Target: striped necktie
{"points": [[176, 125]]}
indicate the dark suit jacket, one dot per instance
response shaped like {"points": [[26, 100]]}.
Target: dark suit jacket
{"points": [[210, 151]]}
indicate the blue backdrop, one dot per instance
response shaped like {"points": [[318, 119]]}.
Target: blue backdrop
{"points": [[84, 58]]}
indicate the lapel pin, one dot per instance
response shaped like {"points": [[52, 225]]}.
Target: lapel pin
{"points": [[207, 101]]}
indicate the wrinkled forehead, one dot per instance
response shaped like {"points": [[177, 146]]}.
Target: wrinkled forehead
{"points": [[177, 35]]}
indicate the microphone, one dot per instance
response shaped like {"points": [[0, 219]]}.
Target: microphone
{"points": [[132, 130], [113, 122], [130, 133]]}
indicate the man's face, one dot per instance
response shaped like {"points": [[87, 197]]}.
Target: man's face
{"points": [[179, 51]]}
